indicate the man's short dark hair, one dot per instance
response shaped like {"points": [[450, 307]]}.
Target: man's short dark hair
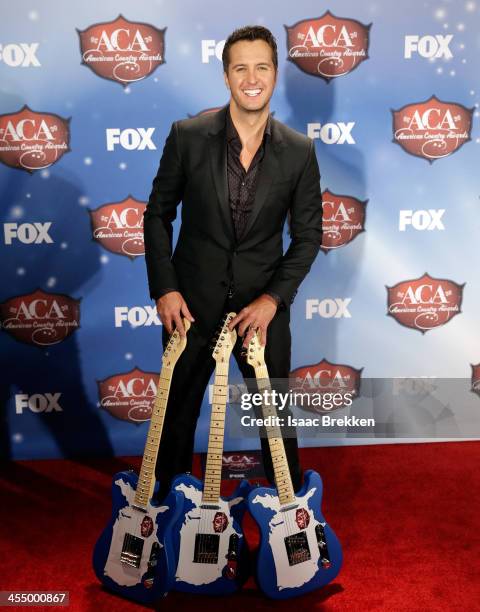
{"points": [[250, 33]]}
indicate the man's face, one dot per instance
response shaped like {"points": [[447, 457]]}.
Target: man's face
{"points": [[251, 75]]}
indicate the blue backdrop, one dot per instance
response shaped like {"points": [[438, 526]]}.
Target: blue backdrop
{"points": [[102, 83]]}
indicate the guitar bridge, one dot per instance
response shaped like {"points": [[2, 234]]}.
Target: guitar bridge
{"points": [[297, 547], [206, 548], [131, 550], [322, 546]]}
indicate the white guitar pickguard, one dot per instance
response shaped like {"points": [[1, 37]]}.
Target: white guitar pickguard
{"points": [[201, 519], [129, 521], [283, 524]]}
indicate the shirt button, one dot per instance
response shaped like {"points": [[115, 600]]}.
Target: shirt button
{"points": [[243, 183]]}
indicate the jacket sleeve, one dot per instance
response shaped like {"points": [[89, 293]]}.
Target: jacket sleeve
{"points": [[161, 211], [305, 231]]}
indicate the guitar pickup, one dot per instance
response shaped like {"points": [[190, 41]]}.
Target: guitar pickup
{"points": [[206, 548]]}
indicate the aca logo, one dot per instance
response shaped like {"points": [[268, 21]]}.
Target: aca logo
{"points": [[121, 50], [424, 303], [118, 227], [343, 219], [23, 55], [324, 377], [240, 462], [476, 379], [40, 318], [432, 129], [129, 396], [33, 141], [329, 46]]}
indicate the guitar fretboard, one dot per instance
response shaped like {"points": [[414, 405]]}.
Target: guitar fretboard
{"points": [[281, 470], [146, 479], [213, 469]]}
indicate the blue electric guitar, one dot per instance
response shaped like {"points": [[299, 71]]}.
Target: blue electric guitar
{"points": [[212, 552], [134, 556], [298, 551]]}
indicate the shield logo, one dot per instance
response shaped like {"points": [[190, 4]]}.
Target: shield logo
{"points": [[121, 50], [343, 219], [118, 227], [425, 302], [40, 318], [328, 46], [432, 129], [31, 140]]}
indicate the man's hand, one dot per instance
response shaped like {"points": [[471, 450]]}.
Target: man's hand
{"points": [[171, 307], [257, 315]]}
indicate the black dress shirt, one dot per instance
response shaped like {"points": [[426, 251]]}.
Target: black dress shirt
{"points": [[242, 184]]}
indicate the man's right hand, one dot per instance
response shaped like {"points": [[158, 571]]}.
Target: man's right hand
{"points": [[171, 307]]}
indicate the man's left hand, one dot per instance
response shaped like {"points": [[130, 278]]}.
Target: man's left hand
{"points": [[256, 316]]}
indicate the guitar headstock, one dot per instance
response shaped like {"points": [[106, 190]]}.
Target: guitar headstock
{"points": [[225, 340], [255, 352], [176, 345]]}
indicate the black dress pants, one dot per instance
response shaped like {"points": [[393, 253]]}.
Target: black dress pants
{"points": [[190, 378]]}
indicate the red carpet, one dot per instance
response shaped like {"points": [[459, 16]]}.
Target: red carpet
{"points": [[407, 516]]}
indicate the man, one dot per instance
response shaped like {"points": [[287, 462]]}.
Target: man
{"points": [[238, 172]]}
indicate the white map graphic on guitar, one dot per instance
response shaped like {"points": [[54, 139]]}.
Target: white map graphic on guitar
{"points": [[187, 570], [280, 524], [130, 521]]}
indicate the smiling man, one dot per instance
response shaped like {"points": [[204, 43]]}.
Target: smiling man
{"points": [[239, 173]]}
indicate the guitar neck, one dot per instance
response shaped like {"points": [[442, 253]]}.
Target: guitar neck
{"points": [[146, 479], [213, 469], [281, 470]]}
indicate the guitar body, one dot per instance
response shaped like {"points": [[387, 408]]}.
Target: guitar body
{"points": [[212, 554], [298, 551], [150, 570]]}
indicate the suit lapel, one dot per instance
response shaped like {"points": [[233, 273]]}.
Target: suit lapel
{"points": [[269, 169], [218, 163]]}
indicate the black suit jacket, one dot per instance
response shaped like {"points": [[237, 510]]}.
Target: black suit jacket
{"points": [[207, 257]]}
